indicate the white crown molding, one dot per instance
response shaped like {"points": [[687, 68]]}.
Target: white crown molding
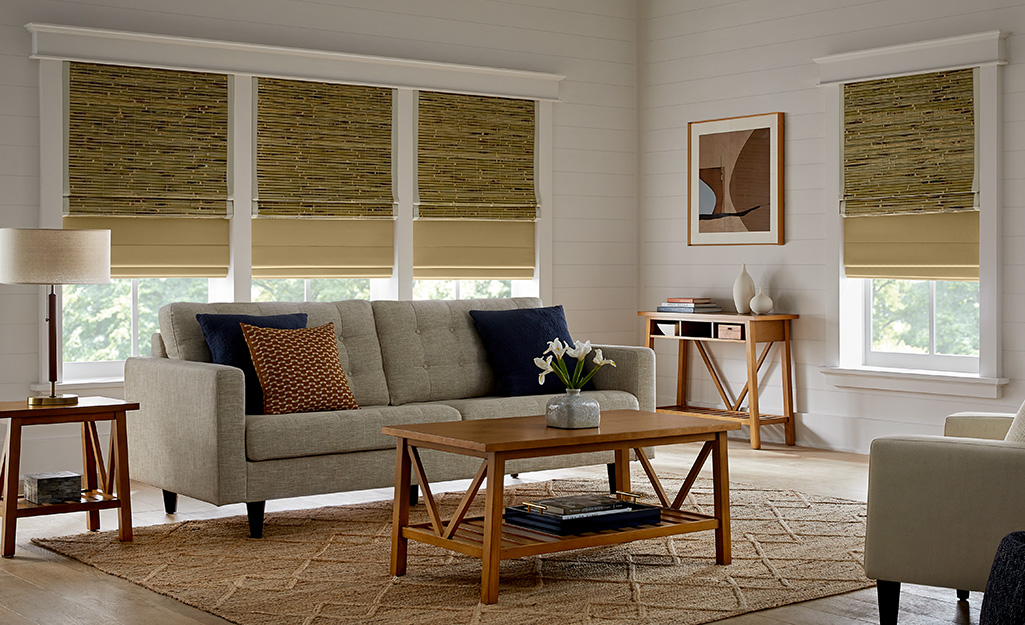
{"points": [[975, 50], [72, 43]]}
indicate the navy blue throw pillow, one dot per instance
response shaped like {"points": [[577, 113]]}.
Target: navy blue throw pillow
{"points": [[514, 338], [223, 334]]}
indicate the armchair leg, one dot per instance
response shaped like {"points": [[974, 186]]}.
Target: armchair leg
{"points": [[170, 502], [254, 509], [611, 467], [962, 595], [889, 601], [414, 494]]}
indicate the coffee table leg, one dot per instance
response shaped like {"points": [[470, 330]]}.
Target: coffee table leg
{"points": [[494, 505], [623, 470], [400, 509], [12, 465], [721, 488], [121, 477]]}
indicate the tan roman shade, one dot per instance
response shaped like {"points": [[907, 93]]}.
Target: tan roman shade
{"points": [[475, 176], [323, 150], [473, 250], [475, 157], [147, 158], [938, 246], [909, 200], [322, 248], [153, 247]]}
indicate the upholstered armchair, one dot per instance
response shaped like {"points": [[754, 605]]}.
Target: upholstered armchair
{"points": [[938, 506]]}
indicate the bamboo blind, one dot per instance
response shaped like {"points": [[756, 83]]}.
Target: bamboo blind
{"points": [[468, 249], [936, 246], [475, 157], [909, 144], [145, 141], [323, 150]]}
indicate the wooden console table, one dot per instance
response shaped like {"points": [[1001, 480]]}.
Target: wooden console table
{"points": [[749, 330], [104, 487]]}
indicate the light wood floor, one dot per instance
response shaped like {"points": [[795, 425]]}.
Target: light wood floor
{"points": [[39, 587]]}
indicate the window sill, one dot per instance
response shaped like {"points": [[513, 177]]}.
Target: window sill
{"points": [[84, 386], [916, 381]]}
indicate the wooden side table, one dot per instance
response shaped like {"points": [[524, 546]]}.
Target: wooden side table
{"points": [[748, 330], [103, 486]]}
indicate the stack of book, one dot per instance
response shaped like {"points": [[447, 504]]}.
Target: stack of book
{"points": [[578, 514], [689, 305]]}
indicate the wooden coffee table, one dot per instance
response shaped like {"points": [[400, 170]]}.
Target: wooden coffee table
{"points": [[496, 441]]}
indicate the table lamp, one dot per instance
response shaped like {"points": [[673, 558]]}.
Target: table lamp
{"points": [[52, 257]]}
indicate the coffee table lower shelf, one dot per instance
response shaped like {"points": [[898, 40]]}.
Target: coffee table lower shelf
{"points": [[519, 542]]}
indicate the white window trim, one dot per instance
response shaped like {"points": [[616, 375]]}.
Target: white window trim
{"points": [[54, 44], [845, 349]]}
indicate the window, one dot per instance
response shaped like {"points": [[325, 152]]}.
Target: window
{"points": [[922, 324], [109, 322], [310, 290], [462, 289]]}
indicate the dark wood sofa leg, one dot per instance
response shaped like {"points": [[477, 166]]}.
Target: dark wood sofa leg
{"points": [[889, 601], [611, 467], [962, 595], [414, 494], [255, 511], [170, 502]]}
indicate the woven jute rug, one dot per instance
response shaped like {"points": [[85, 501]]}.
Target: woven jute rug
{"points": [[329, 566]]}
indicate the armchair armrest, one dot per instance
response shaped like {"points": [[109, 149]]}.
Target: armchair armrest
{"points": [[938, 507], [188, 435], [634, 372], [991, 425]]}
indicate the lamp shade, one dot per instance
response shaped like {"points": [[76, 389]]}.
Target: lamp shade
{"points": [[42, 256]]}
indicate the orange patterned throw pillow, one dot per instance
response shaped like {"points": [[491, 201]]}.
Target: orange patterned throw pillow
{"points": [[299, 370]]}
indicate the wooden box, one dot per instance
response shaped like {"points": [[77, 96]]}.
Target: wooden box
{"points": [[730, 331], [57, 487]]}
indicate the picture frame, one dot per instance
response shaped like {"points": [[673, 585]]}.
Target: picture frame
{"points": [[735, 181]]}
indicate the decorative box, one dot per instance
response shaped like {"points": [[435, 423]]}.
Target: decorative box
{"points": [[56, 487], [729, 331]]}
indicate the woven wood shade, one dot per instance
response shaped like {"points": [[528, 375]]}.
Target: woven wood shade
{"points": [[162, 247], [145, 141], [475, 157], [909, 144], [937, 246], [323, 150], [473, 250], [322, 248]]}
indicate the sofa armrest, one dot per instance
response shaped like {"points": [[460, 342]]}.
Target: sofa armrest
{"points": [[188, 435], [634, 372], [991, 425], [938, 507]]}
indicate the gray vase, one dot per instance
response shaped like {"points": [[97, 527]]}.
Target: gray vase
{"points": [[572, 411]]}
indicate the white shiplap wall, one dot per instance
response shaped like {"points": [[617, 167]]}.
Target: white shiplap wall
{"points": [[591, 42], [706, 59]]}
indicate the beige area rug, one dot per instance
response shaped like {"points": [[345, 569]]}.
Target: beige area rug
{"points": [[329, 566]]}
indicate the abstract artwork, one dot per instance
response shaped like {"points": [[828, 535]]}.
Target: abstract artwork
{"points": [[735, 181]]}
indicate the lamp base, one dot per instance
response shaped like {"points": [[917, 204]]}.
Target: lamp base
{"points": [[66, 399]]}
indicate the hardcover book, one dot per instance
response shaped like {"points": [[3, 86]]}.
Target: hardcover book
{"points": [[578, 504], [689, 300]]}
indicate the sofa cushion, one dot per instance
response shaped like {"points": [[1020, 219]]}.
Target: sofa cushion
{"points": [[355, 332], [270, 437], [529, 405], [299, 369], [431, 349], [514, 338], [223, 334]]}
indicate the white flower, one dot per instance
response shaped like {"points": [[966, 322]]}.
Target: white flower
{"points": [[556, 348], [600, 360], [546, 368], [581, 350]]}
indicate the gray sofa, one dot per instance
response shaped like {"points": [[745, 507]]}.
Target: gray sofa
{"points": [[407, 362]]}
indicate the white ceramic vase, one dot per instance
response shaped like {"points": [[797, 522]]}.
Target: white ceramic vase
{"points": [[761, 303], [743, 291], [572, 411]]}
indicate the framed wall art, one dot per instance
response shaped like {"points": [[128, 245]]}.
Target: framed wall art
{"points": [[735, 181]]}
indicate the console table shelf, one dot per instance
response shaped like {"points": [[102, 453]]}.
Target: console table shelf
{"points": [[747, 330]]}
